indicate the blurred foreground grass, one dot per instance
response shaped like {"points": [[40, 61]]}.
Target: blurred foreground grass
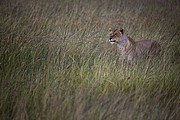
{"points": [[56, 62]]}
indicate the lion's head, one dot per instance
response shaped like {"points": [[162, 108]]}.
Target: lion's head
{"points": [[115, 35]]}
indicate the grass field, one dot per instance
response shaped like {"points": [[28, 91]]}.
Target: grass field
{"points": [[56, 62]]}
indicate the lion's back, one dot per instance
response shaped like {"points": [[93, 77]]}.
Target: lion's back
{"points": [[146, 46]]}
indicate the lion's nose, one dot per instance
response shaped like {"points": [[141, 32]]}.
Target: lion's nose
{"points": [[110, 38]]}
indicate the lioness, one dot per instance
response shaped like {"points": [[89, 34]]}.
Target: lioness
{"points": [[130, 49]]}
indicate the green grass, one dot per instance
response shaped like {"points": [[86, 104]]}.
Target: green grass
{"points": [[56, 62]]}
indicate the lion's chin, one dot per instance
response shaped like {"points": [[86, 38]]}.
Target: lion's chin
{"points": [[111, 42]]}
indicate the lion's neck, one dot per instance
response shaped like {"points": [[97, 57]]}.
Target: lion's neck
{"points": [[130, 44]]}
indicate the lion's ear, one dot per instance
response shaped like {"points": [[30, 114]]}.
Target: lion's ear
{"points": [[110, 29], [122, 31]]}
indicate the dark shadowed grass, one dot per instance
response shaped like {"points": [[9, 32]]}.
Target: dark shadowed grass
{"points": [[56, 62]]}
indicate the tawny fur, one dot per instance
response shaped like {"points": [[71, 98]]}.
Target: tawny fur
{"points": [[130, 49]]}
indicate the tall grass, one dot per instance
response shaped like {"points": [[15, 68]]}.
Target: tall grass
{"points": [[56, 62]]}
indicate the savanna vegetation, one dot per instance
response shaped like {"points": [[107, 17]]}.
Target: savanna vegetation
{"points": [[56, 62]]}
